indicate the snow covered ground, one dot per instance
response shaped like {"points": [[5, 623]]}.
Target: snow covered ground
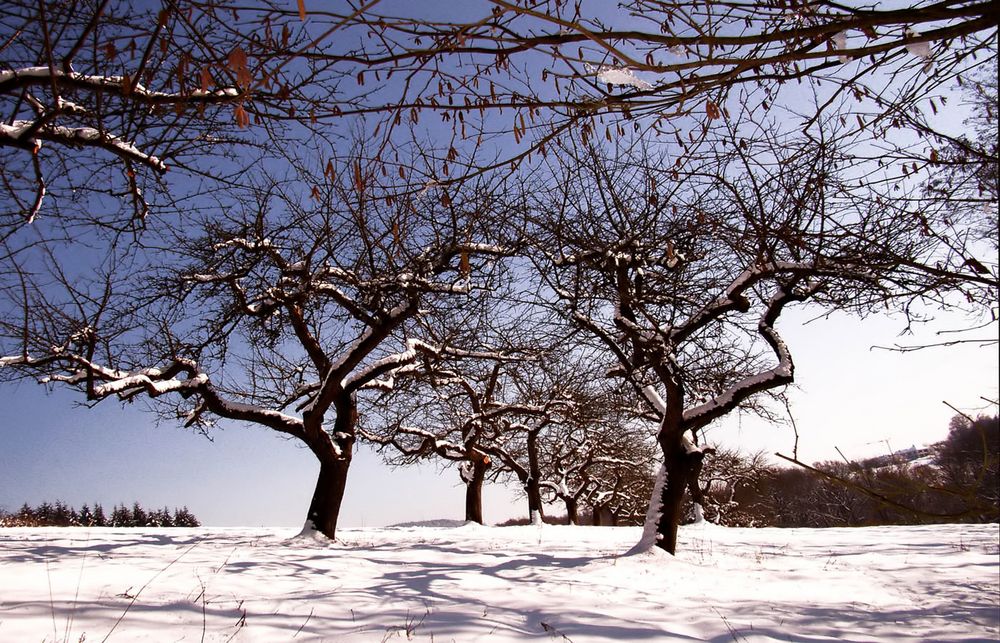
{"points": [[472, 583]]}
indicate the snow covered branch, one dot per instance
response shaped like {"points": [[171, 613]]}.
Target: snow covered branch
{"points": [[779, 375]]}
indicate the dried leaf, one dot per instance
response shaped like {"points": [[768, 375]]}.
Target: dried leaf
{"points": [[238, 64], [241, 116], [712, 110], [359, 179], [463, 267], [302, 10], [206, 78]]}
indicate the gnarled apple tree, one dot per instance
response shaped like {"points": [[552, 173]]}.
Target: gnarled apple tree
{"points": [[279, 311]]}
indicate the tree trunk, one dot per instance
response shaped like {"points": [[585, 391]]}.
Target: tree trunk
{"points": [[534, 492], [531, 486], [596, 515], [681, 471], [571, 513], [324, 509], [474, 490]]}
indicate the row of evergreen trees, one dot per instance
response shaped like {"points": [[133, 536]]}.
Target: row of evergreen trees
{"points": [[59, 514]]}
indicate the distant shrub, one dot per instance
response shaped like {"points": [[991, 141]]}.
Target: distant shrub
{"points": [[520, 522]]}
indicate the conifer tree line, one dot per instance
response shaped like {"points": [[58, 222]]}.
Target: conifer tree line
{"points": [[59, 514]]}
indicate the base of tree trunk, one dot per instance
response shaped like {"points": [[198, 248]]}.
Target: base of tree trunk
{"points": [[678, 468], [324, 509], [474, 492]]}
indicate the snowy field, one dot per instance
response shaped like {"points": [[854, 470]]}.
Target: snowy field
{"points": [[472, 583]]}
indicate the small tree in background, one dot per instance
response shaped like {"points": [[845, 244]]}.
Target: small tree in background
{"points": [[969, 461]]}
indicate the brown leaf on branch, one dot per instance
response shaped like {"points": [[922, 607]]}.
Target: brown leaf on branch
{"points": [[359, 179], [241, 116], [238, 64]]}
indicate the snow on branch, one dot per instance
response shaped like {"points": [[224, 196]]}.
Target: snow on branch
{"points": [[182, 376], [14, 79], [29, 134], [618, 76], [782, 373], [655, 399]]}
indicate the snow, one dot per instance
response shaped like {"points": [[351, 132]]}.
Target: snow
{"points": [[654, 510], [655, 398], [919, 49], [619, 76], [143, 380], [840, 44], [494, 584], [81, 135]]}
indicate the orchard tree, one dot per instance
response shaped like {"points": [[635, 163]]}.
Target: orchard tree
{"points": [[484, 415], [105, 102], [727, 477], [588, 457], [446, 414], [279, 311], [682, 275]]}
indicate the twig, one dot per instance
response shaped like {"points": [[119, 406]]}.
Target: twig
{"points": [[305, 622]]}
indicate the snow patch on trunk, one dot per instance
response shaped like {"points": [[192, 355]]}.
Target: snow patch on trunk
{"points": [[649, 533], [536, 517]]}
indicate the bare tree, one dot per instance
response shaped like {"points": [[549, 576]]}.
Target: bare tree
{"points": [[528, 397], [679, 267], [589, 457], [725, 479], [683, 276], [448, 413], [536, 71], [279, 311], [151, 89]]}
